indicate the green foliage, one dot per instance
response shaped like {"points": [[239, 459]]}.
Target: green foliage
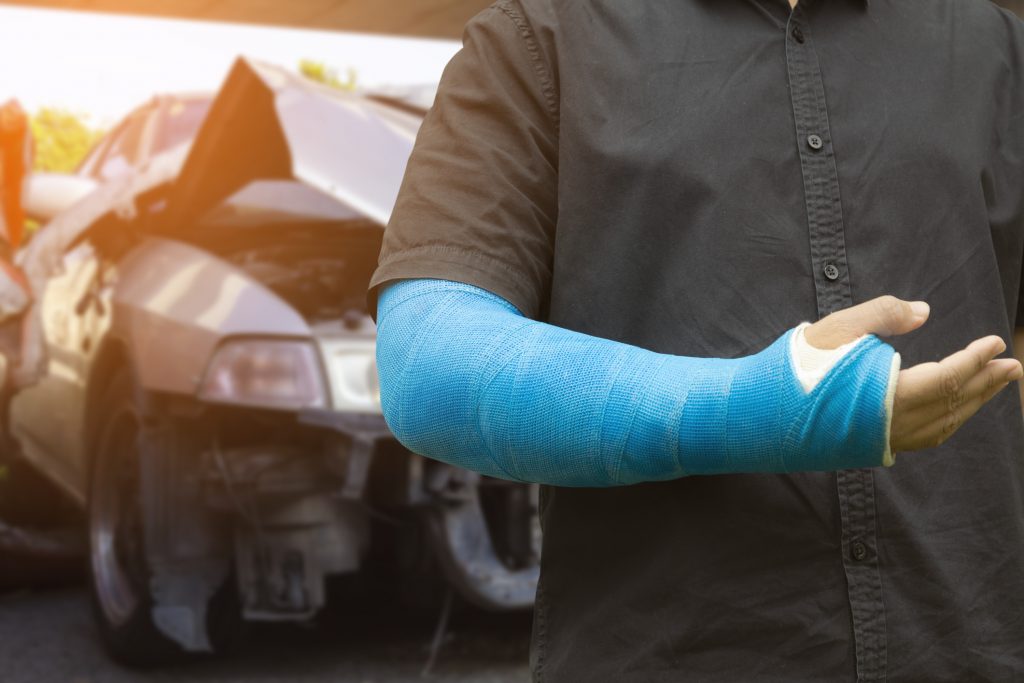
{"points": [[62, 139], [321, 73]]}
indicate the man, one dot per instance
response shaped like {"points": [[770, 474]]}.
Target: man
{"points": [[16, 155], [15, 164], [613, 211]]}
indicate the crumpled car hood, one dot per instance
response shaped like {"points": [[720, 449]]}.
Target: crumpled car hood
{"points": [[267, 123], [114, 200]]}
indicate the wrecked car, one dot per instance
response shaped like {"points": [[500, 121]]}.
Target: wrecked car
{"points": [[198, 373]]}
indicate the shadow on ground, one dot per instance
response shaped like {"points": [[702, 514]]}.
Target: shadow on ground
{"points": [[48, 636]]}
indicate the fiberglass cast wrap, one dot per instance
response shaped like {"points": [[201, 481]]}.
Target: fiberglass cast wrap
{"points": [[466, 379]]}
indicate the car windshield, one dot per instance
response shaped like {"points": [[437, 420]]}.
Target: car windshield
{"points": [[181, 123]]}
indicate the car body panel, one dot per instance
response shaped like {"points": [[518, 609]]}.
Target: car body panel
{"points": [[270, 137], [48, 195], [48, 417], [267, 123], [174, 304], [265, 225], [116, 200]]}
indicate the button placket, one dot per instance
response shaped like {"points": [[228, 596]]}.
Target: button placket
{"points": [[855, 488]]}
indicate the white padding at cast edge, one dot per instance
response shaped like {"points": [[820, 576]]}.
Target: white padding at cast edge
{"points": [[812, 364]]}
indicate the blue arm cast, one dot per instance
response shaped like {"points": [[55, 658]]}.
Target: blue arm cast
{"points": [[468, 380]]}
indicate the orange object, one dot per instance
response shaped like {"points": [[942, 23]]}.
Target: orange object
{"points": [[15, 146]]}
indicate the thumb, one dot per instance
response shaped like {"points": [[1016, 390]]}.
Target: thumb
{"points": [[884, 316]]}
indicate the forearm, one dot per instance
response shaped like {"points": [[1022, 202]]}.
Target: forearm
{"points": [[467, 380]]}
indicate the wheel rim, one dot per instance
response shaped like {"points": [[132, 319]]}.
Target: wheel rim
{"points": [[465, 541], [115, 530]]}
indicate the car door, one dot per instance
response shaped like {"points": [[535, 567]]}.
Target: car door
{"points": [[48, 418]]}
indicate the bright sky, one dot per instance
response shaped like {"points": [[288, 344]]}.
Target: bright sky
{"points": [[104, 65]]}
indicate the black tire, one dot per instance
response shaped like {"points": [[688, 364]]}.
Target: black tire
{"points": [[118, 572]]}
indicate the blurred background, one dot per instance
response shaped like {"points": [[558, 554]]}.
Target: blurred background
{"points": [[108, 90], [196, 483]]}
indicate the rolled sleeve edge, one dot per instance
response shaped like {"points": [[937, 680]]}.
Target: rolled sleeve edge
{"points": [[445, 262]]}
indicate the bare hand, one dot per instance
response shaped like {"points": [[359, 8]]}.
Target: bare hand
{"points": [[933, 400]]}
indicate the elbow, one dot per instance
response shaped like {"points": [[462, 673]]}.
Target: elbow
{"points": [[391, 367], [429, 376], [401, 374], [419, 393], [426, 404]]}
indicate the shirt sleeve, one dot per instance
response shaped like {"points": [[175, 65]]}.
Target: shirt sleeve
{"points": [[478, 202]]}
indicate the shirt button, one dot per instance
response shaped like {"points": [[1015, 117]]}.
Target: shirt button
{"points": [[815, 142], [831, 271], [798, 34], [859, 551]]}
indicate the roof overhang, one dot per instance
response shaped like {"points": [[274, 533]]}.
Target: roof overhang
{"points": [[423, 18]]}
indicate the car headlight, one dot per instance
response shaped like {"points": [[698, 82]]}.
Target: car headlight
{"points": [[266, 373], [352, 368]]}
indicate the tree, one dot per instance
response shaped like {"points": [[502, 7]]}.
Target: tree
{"points": [[321, 73], [62, 139]]}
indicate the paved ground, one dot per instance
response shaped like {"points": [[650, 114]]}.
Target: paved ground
{"points": [[47, 637]]}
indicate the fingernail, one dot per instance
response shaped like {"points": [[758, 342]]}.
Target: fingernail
{"points": [[920, 308], [1015, 374]]}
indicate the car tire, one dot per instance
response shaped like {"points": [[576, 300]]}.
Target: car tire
{"points": [[119, 576]]}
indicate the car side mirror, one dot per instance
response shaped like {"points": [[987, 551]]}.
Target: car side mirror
{"points": [[47, 195]]}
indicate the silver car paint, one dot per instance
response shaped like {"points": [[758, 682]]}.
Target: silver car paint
{"points": [[172, 305], [271, 122], [169, 304], [48, 417]]}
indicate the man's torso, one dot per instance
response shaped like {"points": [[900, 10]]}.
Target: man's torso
{"points": [[725, 172]]}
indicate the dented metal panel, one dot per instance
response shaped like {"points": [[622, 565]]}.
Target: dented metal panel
{"points": [[267, 123]]}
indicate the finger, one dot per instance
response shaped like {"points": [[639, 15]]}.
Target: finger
{"points": [[928, 382], [884, 316], [939, 431], [995, 372]]}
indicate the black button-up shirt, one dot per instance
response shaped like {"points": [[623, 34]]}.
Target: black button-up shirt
{"points": [[696, 177]]}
